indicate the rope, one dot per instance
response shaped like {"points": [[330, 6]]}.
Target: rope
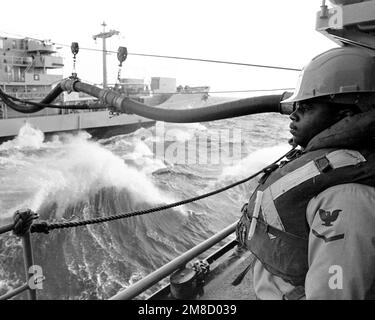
{"points": [[44, 227], [23, 219]]}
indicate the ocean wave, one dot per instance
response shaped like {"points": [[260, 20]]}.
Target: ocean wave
{"points": [[254, 162], [77, 168], [72, 178]]}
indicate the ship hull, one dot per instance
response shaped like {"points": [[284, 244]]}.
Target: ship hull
{"points": [[99, 124]]}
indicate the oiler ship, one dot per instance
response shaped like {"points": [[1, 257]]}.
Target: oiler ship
{"points": [[216, 268], [28, 70]]}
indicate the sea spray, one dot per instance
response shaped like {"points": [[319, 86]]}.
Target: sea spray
{"points": [[98, 261], [27, 138], [71, 168], [254, 162]]}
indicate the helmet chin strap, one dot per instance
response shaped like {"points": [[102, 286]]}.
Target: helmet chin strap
{"points": [[292, 143], [350, 131]]}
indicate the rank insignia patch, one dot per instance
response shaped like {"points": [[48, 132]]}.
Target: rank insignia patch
{"points": [[328, 217], [328, 239]]}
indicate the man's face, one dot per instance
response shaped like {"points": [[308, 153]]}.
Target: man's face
{"points": [[309, 119]]}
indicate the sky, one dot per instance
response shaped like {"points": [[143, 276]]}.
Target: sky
{"points": [[273, 32]]}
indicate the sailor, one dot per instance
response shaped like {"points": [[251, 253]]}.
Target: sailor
{"points": [[311, 221]]}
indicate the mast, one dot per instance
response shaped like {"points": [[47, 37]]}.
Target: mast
{"points": [[104, 35]]}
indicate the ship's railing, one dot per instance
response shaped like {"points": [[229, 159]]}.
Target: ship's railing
{"points": [[39, 46], [158, 275], [17, 60], [139, 287], [31, 280]]}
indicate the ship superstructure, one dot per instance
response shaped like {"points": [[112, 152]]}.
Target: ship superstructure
{"points": [[25, 66], [26, 72]]}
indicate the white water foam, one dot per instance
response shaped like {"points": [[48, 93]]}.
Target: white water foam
{"points": [[254, 162], [28, 137], [144, 158], [182, 132], [163, 132], [75, 168]]}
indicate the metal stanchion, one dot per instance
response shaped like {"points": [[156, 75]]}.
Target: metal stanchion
{"points": [[6, 228], [29, 261], [15, 292]]}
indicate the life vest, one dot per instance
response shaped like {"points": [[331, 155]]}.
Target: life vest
{"points": [[280, 239]]}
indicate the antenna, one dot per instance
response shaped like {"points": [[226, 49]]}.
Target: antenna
{"points": [[104, 35], [324, 10]]}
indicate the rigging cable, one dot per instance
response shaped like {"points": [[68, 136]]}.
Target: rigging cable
{"points": [[173, 57], [215, 92], [192, 59], [37, 106], [45, 227]]}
